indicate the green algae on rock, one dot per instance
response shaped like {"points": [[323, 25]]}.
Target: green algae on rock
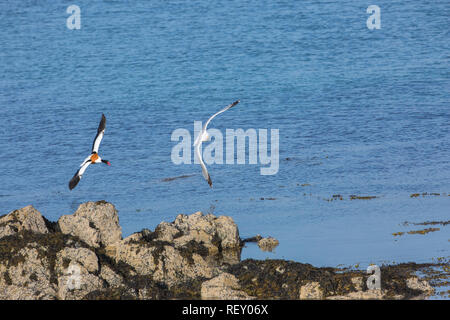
{"points": [[196, 256], [354, 197], [424, 231]]}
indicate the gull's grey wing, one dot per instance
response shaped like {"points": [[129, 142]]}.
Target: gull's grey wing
{"points": [[221, 111]]}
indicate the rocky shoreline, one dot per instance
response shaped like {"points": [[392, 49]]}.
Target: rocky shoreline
{"points": [[83, 256]]}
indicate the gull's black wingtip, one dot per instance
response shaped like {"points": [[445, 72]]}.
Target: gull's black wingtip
{"points": [[233, 104], [209, 181]]}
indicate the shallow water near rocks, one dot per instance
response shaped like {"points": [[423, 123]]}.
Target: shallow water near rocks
{"points": [[359, 112]]}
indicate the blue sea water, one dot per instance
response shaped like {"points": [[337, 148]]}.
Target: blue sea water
{"points": [[359, 112]]}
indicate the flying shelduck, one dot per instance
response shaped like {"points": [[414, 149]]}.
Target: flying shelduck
{"points": [[94, 157]]}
